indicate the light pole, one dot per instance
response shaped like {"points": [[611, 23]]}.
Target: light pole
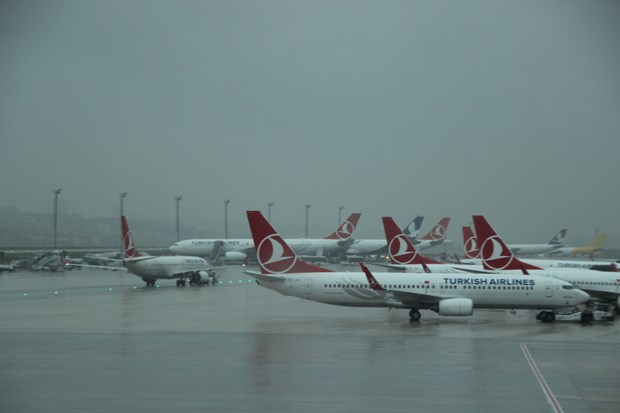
{"points": [[226, 202], [178, 199], [56, 192], [122, 195], [269, 205], [307, 208], [340, 214]]}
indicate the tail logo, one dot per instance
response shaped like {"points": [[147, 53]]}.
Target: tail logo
{"points": [[274, 256], [345, 230], [130, 248], [471, 247], [401, 251], [438, 232], [495, 254]]}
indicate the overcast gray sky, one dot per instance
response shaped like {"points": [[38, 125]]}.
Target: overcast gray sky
{"points": [[439, 108]]}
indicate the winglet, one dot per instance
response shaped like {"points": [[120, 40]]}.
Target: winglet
{"points": [[130, 250], [372, 281], [274, 255], [345, 230], [614, 267], [426, 269]]}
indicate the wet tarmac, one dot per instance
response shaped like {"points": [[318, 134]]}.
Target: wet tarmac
{"points": [[100, 341]]}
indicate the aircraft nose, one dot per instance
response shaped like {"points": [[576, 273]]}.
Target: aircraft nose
{"points": [[582, 296]]}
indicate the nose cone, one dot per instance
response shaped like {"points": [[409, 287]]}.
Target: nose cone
{"points": [[582, 296]]}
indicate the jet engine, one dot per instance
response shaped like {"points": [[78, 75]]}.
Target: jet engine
{"points": [[202, 277], [456, 306], [235, 256]]}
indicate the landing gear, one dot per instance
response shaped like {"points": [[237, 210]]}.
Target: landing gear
{"points": [[546, 316], [181, 282], [149, 282], [414, 314]]}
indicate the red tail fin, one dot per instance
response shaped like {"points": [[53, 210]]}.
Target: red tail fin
{"points": [[438, 232], [401, 250], [372, 281], [273, 253], [130, 247], [470, 243], [494, 253], [346, 228]]}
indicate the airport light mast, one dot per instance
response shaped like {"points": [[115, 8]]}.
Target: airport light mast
{"points": [[226, 202], [340, 214], [307, 208], [178, 199], [56, 192], [122, 196]]}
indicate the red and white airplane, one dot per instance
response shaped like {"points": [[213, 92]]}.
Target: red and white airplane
{"points": [[283, 271], [196, 270], [436, 236], [404, 256], [239, 249], [496, 256]]}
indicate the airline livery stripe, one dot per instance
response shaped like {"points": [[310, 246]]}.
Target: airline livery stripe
{"points": [[541, 380]]}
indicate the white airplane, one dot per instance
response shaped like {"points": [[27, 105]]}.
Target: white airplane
{"points": [[497, 256], [447, 294], [150, 268], [527, 249], [472, 253], [239, 249], [379, 246], [404, 256], [590, 249]]}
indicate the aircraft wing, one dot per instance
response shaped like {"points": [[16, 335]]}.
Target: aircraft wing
{"points": [[260, 276], [391, 266], [102, 267], [410, 299]]}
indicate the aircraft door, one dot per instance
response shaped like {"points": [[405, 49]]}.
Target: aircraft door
{"points": [[548, 289], [308, 287]]}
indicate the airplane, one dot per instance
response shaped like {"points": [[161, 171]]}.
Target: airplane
{"points": [[285, 272], [379, 246], [496, 256], [404, 256], [472, 253], [589, 249], [150, 268], [240, 249], [526, 249]]}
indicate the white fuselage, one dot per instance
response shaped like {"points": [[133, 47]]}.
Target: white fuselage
{"points": [[599, 284], [486, 291], [528, 249], [379, 246], [302, 246], [164, 266]]}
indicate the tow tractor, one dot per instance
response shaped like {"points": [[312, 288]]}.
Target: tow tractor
{"points": [[592, 313]]}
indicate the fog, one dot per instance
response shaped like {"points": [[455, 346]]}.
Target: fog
{"points": [[441, 108]]}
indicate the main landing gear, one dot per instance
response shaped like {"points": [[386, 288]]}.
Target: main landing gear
{"points": [[414, 314], [181, 282], [149, 282], [546, 316]]}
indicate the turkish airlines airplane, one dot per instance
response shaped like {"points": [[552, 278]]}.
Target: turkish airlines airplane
{"points": [[239, 249], [434, 237], [496, 256], [151, 268], [405, 257], [283, 271], [472, 253]]}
